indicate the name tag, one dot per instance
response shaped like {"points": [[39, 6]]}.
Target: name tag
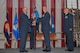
{"points": [[66, 17]]}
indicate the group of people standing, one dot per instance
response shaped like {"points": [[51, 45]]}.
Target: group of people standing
{"points": [[27, 24]]}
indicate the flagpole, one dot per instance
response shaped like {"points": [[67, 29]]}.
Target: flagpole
{"points": [[66, 3], [17, 25], [15, 38], [34, 28], [15, 10], [77, 5]]}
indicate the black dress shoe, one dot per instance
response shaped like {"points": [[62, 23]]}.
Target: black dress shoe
{"points": [[32, 48], [68, 50], [24, 51], [46, 50]]}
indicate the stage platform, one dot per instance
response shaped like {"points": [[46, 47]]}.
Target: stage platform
{"points": [[39, 50]]}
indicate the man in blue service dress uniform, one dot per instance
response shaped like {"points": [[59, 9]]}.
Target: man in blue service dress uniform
{"points": [[45, 29], [25, 25], [68, 29]]}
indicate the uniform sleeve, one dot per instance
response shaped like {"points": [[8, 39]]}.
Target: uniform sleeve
{"points": [[26, 20], [71, 21], [43, 18]]}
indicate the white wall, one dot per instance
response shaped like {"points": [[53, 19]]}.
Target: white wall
{"points": [[2, 20]]}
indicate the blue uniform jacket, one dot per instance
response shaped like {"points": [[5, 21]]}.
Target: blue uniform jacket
{"points": [[45, 20], [25, 23], [67, 22]]}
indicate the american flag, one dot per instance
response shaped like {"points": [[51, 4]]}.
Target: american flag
{"points": [[56, 6]]}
